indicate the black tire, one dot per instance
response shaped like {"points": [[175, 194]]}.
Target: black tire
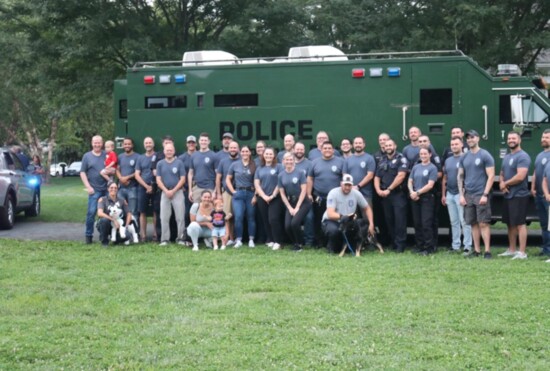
{"points": [[7, 213], [34, 210]]}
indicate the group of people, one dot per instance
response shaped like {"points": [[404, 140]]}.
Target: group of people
{"points": [[290, 198]]}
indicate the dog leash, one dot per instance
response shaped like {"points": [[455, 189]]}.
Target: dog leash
{"points": [[347, 243]]}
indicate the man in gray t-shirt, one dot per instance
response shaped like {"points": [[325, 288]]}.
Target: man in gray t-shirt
{"points": [[126, 174], [476, 174], [202, 172], [342, 203], [96, 186]]}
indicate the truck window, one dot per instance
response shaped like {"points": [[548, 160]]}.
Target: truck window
{"points": [[123, 109], [235, 100], [177, 101], [436, 101], [518, 108]]}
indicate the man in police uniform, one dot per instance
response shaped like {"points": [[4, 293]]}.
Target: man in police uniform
{"points": [[388, 183], [536, 190]]}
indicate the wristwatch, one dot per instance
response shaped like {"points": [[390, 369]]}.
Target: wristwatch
{"points": [[485, 195]]}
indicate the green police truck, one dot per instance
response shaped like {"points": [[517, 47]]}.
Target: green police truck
{"points": [[320, 88]]}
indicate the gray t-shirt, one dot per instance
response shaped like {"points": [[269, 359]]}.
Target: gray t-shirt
{"points": [[170, 172], [540, 164], [223, 168], [326, 174], [268, 177], [194, 210], [92, 166], [421, 174], [412, 154], [344, 204], [358, 167], [242, 175], [315, 153], [451, 171], [292, 182], [304, 166], [204, 171], [127, 166], [475, 176], [220, 155], [510, 165], [144, 166]]}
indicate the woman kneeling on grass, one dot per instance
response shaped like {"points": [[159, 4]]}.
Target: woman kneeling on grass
{"points": [[201, 221], [421, 182], [106, 222]]}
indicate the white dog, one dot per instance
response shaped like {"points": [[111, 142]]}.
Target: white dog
{"points": [[115, 211]]}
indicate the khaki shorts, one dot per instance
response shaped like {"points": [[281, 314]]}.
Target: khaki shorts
{"points": [[196, 193], [227, 208]]}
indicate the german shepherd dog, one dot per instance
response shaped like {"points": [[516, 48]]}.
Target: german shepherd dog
{"points": [[356, 231]]}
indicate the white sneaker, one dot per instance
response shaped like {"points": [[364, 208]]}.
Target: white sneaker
{"points": [[163, 243], [508, 253], [230, 243], [223, 247], [548, 261], [520, 255], [195, 248], [270, 244], [276, 246], [251, 243], [238, 244], [181, 242], [216, 247], [208, 242]]}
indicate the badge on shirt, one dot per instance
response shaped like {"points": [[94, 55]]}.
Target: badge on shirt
{"points": [[294, 180], [174, 170], [273, 171], [334, 168], [132, 162], [478, 161], [425, 172], [511, 162], [206, 160], [363, 164], [544, 161]]}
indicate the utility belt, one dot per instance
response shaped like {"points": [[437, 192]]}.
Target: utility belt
{"points": [[319, 198], [251, 189], [293, 199]]}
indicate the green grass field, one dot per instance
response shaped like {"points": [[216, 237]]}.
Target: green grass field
{"points": [[66, 305]]}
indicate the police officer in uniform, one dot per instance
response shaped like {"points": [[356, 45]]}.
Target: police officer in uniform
{"points": [[389, 185]]}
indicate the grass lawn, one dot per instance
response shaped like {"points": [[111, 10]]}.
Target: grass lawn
{"points": [[65, 305]]}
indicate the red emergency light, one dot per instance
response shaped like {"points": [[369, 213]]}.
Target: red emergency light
{"points": [[358, 73], [149, 80]]}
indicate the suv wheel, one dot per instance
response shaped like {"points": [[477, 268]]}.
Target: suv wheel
{"points": [[7, 214], [34, 210]]}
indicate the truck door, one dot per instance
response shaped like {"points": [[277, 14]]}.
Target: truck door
{"points": [[435, 97], [120, 114]]}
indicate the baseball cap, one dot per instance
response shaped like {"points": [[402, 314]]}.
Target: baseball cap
{"points": [[472, 133], [227, 135], [347, 179], [192, 138]]}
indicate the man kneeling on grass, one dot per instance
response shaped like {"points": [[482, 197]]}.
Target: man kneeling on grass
{"points": [[342, 204]]}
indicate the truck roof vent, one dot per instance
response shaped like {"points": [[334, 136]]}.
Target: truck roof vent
{"points": [[316, 53], [208, 57], [508, 70]]}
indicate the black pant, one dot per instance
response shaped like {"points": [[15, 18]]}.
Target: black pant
{"points": [[334, 236], [395, 213], [271, 216], [319, 208], [104, 227], [293, 224], [423, 214]]}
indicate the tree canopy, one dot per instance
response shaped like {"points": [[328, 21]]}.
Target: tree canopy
{"points": [[60, 57]]}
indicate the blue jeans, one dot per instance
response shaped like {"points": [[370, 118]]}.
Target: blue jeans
{"points": [[456, 216], [309, 230], [542, 210], [92, 211], [130, 194], [242, 205]]}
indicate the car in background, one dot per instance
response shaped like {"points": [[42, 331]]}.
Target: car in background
{"points": [[73, 169], [57, 169], [19, 189]]}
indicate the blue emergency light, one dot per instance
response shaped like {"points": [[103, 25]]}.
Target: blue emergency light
{"points": [[394, 71], [180, 79]]}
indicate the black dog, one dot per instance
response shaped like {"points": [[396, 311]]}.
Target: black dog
{"points": [[358, 236]]}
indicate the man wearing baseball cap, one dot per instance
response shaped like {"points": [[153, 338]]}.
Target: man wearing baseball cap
{"points": [[224, 151], [342, 205], [476, 174]]}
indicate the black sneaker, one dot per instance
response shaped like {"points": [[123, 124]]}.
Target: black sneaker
{"points": [[487, 255], [89, 240], [297, 248], [473, 254]]}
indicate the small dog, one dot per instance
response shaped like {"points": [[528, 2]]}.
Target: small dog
{"points": [[115, 211], [358, 236]]}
